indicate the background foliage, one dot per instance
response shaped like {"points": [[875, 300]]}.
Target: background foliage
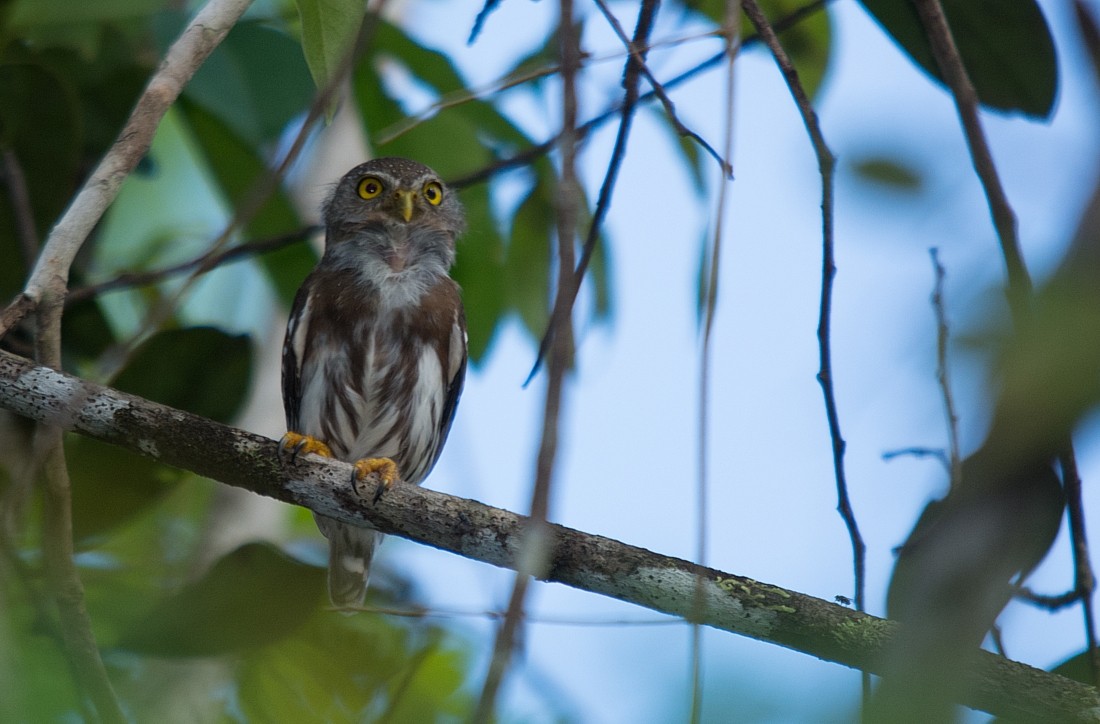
{"points": [[243, 634]]}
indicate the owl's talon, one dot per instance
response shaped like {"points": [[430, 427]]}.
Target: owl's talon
{"points": [[294, 444], [383, 470]]}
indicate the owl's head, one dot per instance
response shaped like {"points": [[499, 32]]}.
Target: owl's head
{"points": [[393, 216]]}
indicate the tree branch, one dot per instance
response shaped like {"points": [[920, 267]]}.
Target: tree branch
{"points": [[194, 45], [491, 535]]}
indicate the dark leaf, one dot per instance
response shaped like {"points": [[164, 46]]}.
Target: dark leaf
{"points": [[252, 597], [527, 261], [1005, 45], [239, 171], [111, 485], [329, 29], [255, 81], [199, 369], [478, 270]]}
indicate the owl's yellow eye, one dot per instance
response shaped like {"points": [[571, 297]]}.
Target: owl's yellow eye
{"points": [[433, 192], [369, 187]]}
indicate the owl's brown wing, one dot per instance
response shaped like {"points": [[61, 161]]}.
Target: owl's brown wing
{"points": [[293, 354]]}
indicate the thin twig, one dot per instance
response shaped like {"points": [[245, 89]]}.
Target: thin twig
{"points": [[631, 80], [826, 164], [14, 313], [920, 452], [732, 36], [943, 379], [66, 587], [535, 542], [1083, 579], [966, 102], [210, 259], [637, 52], [21, 206], [530, 155]]}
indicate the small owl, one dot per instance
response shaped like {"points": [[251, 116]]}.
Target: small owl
{"points": [[375, 351]]}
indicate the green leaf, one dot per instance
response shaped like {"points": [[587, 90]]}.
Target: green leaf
{"points": [[478, 270], [357, 668], [199, 369], [329, 29], [252, 597], [889, 172], [255, 81], [807, 42], [238, 169], [527, 261], [1005, 45], [40, 129], [111, 485]]}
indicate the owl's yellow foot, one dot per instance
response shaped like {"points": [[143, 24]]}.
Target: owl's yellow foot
{"points": [[294, 444], [383, 470]]}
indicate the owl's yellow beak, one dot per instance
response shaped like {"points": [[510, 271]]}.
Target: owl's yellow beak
{"points": [[405, 200]]}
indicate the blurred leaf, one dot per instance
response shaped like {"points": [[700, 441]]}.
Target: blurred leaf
{"points": [[40, 133], [255, 82], [1005, 45], [358, 668], [199, 369], [33, 13], [85, 333], [252, 597], [890, 172], [527, 261], [239, 169], [1078, 668], [808, 42], [111, 485], [478, 270], [329, 29]]}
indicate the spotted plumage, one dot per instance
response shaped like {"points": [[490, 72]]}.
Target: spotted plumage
{"points": [[375, 351]]}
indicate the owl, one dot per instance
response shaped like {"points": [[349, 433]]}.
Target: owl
{"points": [[375, 352]]}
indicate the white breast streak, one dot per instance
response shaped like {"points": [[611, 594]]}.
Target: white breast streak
{"points": [[301, 328], [425, 408], [458, 350]]}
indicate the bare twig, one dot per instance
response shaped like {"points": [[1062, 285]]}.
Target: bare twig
{"points": [[631, 80], [529, 155], [920, 452], [494, 536], [637, 52], [954, 461], [966, 102], [826, 164], [732, 36], [209, 259], [536, 543], [14, 313], [21, 206], [1083, 579]]}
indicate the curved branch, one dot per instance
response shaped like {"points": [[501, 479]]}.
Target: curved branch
{"points": [[491, 535], [194, 45]]}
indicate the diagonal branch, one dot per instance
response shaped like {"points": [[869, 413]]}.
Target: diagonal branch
{"points": [[491, 535]]}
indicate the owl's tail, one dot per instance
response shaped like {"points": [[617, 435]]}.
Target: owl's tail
{"points": [[350, 550]]}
